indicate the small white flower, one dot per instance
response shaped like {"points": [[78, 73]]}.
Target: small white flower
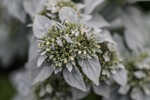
{"points": [[84, 52], [47, 49], [71, 58], [79, 52], [65, 61], [47, 43]]}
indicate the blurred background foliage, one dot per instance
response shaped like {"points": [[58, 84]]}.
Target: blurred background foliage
{"points": [[7, 91], [14, 35]]}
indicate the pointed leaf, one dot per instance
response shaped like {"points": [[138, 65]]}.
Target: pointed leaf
{"points": [[137, 94], [121, 77], [146, 88], [57, 70], [41, 25], [40, 61], [69, 66], [15, 8], [44, 74], [74, 78], [102, 90], [91, 68], [78, 94], [69, 14], [91, 5], [124, 89]]}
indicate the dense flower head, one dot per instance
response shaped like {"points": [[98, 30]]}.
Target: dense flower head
{"points": [[65, 44], [109, 60], [138, 75], [84, 55], [73, 52], [139, 70], [61, 91]]}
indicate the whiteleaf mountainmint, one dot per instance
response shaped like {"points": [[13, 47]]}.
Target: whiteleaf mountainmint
{"points": [[69, 46], [93, 46]]}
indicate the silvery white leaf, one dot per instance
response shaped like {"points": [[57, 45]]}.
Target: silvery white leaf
{"points": [[30, 6], [40, 60], [68, 14], [121, 77], [41, 25], [124, 89], [33, 7], [44, 74], [69, 66], [146, 97], [40, 5], [21, 81], [33, 71], [104, 36], [74, 78], [102, 90], [98, 21], [139, 74], [85, 17], [115, 96], [137, 94], [116, 24], [136, 33], [78, 95], [120, 45], [15, 8], [33, 51], [146, 88], [42, 92], [91, 68], [92, 4], [80, 6]]}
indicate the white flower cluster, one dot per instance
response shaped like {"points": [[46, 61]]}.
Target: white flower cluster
{"points": [[72, 53], [84, 55]]}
